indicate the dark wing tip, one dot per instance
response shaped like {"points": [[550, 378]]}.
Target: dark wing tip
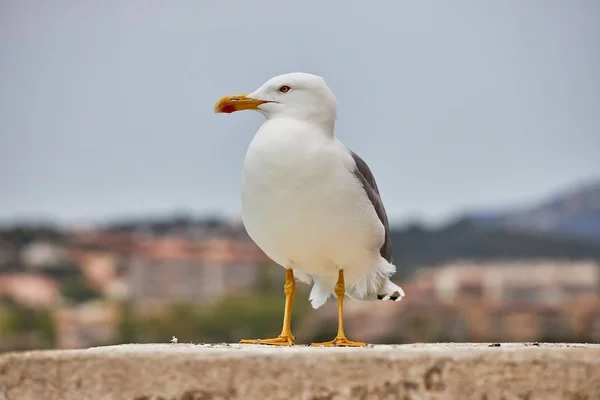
{"points": [[396, 296]]}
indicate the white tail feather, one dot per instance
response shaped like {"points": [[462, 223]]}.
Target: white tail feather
{"points": [[376, 285], [319, 293]]}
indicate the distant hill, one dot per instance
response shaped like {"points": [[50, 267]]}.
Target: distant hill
{"points": [[415, 246], [573, 213]]}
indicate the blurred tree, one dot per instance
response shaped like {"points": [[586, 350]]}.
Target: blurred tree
{"points": [[127, 331], [271, 279], [230, 319], [11, 320], [46, 328], [78, 291], [27, 327], [62, 271]]}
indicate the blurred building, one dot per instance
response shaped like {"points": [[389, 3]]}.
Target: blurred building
{"points": [[29, 290], [515, 282], [503, 301], [161, 264], [173, 269], [100, 268], [42, 254]]}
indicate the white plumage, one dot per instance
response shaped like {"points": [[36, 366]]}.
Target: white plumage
{"points": [[302, 200]]}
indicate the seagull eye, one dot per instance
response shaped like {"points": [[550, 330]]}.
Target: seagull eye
{"points": [[284, 89]]}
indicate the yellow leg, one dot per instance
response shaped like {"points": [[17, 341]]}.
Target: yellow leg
{"points": [[286, 338], [340, 339]]}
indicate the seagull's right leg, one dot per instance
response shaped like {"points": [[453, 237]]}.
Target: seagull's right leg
{"points": [[285, 338], [340, 339]]}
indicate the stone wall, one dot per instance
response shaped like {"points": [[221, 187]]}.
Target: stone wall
{"points": [[228, 372]]}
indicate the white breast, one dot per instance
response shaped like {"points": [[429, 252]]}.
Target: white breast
{"points": [[302, 204]]}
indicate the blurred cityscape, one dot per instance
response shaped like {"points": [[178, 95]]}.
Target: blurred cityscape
{"points": [[527, 275]]}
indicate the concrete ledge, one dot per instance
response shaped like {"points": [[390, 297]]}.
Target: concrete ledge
{"points": [[228, 372]]}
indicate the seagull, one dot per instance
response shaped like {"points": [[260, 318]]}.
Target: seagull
{"points": [[311, 204]]}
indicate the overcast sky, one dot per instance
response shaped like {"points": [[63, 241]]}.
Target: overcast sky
{"points": [[106, 107]]}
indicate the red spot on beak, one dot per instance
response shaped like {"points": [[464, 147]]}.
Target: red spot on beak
{"points": [[228, 109]]}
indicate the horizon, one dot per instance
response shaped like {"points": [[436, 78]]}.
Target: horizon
{"points": [[451, 218]]}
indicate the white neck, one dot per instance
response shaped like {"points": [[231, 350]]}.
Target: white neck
{"points": [[325, 126]]}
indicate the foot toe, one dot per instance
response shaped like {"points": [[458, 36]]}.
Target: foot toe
{"points": [[278, 341], [339, 342]]}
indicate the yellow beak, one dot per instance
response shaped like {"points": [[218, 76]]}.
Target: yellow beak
{"points": [[229, 104]]}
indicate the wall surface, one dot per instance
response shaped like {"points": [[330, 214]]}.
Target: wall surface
{"points": [[228, 372]]}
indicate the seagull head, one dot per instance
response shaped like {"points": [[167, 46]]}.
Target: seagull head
{"points": [[294, 95]]}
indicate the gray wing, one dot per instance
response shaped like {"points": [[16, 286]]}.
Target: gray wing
{"points": [[364, 174]]}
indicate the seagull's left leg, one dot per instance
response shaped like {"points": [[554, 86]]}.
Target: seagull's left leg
{"points": [[285, 338], [340, 339]]}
